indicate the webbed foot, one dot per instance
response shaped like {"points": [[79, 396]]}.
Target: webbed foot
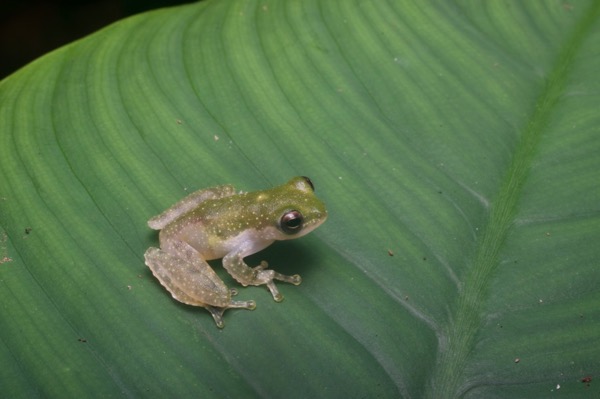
{"points": [[269, 275]]}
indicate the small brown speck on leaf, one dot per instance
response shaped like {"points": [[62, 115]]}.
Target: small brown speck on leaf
{"points": [[82, 340], [517, 360], [390, 253], [587, 379]]}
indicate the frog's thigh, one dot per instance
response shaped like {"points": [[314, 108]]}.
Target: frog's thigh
{"points": [[194, 283], [188, 203]]}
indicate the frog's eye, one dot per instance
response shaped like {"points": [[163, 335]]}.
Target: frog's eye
{"points": [[310, 183], [291, 222]]}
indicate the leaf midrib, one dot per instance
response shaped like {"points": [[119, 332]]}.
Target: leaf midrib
{"points": [[458, 339]]}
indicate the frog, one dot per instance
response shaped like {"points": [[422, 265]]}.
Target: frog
{"points": [[222, 223]]}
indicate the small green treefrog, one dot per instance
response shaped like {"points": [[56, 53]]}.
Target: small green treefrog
{"points": [[218, 223]]}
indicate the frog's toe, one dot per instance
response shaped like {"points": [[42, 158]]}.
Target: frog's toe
{"points": [[217, 314], [274, 291], [250, 305], [278, 297], [295, 279]]}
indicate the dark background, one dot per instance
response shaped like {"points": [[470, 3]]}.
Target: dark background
{"points": [[30, 28]]}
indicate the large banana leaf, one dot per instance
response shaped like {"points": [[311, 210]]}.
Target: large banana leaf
{"points": [[456, 147]]}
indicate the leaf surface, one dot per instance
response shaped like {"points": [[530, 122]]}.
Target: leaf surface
{"points": [[454, 143]]}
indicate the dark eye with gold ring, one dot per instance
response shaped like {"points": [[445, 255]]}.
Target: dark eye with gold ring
{"points": [[291, 222]]}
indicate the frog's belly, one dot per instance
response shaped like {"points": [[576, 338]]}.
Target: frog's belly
{"points": [[215, 246]]}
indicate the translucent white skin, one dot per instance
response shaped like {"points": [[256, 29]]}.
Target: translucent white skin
{"points": [[218, 223]]}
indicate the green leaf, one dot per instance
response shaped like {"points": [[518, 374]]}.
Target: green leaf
{"points": [[456, 147]]}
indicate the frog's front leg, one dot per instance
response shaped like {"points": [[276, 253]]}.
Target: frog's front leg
{"points": [[259, 275], [191, 280]]}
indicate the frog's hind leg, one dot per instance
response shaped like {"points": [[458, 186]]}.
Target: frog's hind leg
{"points": [[192, 281]]}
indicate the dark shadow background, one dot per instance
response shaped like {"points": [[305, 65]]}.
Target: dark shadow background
{"points": [[31, 28]]}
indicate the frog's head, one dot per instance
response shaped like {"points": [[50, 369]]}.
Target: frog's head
{"points": [[299, 211]]}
